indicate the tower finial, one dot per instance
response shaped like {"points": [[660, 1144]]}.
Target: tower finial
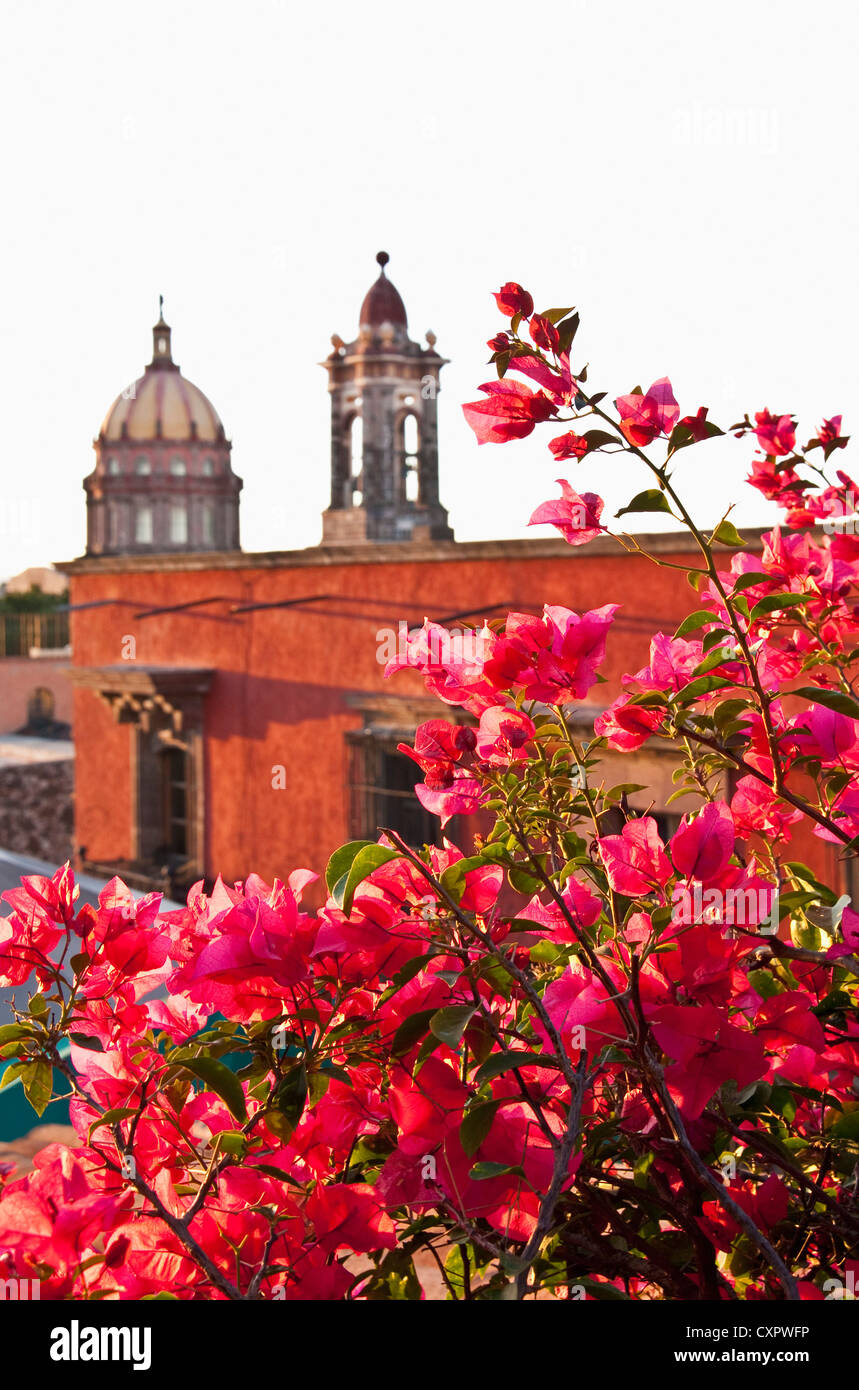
{"points": [[382, 257], [161, 334]]}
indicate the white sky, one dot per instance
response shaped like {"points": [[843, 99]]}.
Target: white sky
{"points": [[684, 174]]}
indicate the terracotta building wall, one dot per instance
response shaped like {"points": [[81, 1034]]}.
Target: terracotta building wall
{"points": [[285, 676], [19, 677]]}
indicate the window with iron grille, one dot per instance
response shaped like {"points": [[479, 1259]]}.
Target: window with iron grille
{"points": [[381, 791]]}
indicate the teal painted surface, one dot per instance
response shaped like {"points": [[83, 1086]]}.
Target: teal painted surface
{"points": [[17, 1115]]}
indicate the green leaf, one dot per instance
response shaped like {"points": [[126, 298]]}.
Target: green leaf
{"points": [[702, 686], [726, 533], [273, 1172], [642, 1168], [368, 859], [290, 1095], [555, 315], [38, 1005], [727, 711], [848, 1126], [597, 438], [771, 603], [111, 1117], [87, 1041], [715, 657], [523, 882], [750, 580], [13, 1072], [696, 620], [410, 1031], [449, 1024], [652, 500], [832, 699], [682, 436], [453, 878], [12, 1032], [481, 1171], [765, 983], [622, 789], [505, 1061], [603, 1292], [408, 972], [341, 861], [232, 1141], [38, 1082], [477, 1124], [567, 331], [221, 1080]]}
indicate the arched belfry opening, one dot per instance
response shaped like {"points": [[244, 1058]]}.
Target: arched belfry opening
{"points": [[384, 428]]}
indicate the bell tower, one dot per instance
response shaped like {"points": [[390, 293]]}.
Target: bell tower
{"points": [[384, 435]]}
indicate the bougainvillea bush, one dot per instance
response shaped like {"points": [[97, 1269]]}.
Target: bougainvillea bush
{"points": [[639, 1081]]}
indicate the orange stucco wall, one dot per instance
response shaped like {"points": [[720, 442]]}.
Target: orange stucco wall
{"points": [[283, 676], [19, 677]]}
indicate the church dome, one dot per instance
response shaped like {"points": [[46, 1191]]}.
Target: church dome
{"points": [[382, 303], [162, 404]]}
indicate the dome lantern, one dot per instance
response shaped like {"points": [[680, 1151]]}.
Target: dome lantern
{"points": [[161, 333]]}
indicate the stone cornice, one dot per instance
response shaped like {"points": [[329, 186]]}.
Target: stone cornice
{"points": [[390, 553]]}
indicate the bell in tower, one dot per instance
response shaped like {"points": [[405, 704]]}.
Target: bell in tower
{"points": [[384, 436]]}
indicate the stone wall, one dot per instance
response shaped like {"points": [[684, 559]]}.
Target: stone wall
{"points": [[37, 809]]}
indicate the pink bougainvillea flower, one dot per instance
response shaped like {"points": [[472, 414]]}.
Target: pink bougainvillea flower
{"points": [[568, 446], [829, 735], [705, 1050], [830, 433], [576, 517], [427, 1106], [512, 299], [553, 657], [557, 381], [635, 861], [786, 1019], [766, 1205], [781, 485], [510, 412], [438, 743], [776, 434], [698, 425], [461, 796], [626, 726], [701, 848], [642, 418], [583, 906], [544, 334], [350, 1216], [758, 811], [578, 1000], [502, 735]]}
